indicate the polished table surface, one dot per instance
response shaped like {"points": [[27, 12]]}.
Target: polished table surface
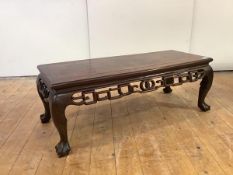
{"points": [[74, 73]]}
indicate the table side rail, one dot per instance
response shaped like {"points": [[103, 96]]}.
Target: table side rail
{"points": [[86, 95]]}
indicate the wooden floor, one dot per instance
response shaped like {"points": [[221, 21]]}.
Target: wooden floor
{"points": [[142, 134]]}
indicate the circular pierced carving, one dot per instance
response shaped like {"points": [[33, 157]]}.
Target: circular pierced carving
{"points": [[147, 85]]}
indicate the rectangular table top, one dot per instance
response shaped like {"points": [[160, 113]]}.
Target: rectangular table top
{"points": [[75, 73]]}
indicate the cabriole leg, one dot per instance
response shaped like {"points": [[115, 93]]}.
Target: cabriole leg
{"points": [[58, 105], [45, 117], [206, 84]]}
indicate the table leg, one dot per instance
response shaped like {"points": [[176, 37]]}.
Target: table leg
{"points": [[206, 84], [45, 117], [58, 105], [167, 90]]}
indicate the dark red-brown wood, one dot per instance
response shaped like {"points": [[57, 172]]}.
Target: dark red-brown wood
{"points": [[59, 83], [75, 73]]}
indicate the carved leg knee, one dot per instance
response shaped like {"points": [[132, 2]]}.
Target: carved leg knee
{"points": [[204, 89], [167, 90], [45, 117]]}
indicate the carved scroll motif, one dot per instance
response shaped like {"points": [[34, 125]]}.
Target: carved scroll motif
{"points": [[141, 86]]}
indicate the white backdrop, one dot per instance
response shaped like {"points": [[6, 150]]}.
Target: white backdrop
{"points": [[134, 26], [33, 32], [213, 31]]}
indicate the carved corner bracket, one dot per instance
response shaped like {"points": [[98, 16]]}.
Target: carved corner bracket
{"points": [[43, 88]]}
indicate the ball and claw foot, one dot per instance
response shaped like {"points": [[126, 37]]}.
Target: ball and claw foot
{"points": [[62, 149], [44, 118], [203, 106], [167, 90]]}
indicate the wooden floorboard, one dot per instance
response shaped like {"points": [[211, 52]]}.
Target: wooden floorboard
{"points": [[141, 134]]}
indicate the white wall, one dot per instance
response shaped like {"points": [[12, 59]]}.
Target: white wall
{"points": [[213, 31], [134, 26], [33, 32]]}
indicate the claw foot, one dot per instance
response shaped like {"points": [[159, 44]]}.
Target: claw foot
{"points": [[167, 90], [204, 107], [62, 149], [44, 118]]}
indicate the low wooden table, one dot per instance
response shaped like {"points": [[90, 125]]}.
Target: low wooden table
{"points": [[81, 82]]}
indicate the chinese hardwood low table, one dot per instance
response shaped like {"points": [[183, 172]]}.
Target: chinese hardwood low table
{"points": [[82, 82]]}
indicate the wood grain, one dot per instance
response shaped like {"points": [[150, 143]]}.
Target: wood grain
{"points": [[86, 72], [141, 134]]}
